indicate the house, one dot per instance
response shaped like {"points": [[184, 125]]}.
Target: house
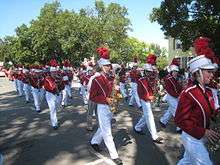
{"points": [[175, 51]]}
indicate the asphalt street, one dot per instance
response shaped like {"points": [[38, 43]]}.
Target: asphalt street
{"points": [[26, 137]]}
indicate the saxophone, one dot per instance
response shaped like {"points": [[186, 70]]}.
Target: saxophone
{"points": [[115, 94], [215, 126]]}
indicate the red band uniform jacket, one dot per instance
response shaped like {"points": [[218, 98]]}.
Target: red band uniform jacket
{"points": [[134, 75], [86, 79], [36, 80], [122, 76], [193, 111], [172, 86], [101, 88], [144, 90]]}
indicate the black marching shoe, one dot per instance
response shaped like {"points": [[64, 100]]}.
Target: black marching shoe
{"points": [[159, 140], [38, 111], [162, 124], [117, 161], [179, 131], [89, 128], [96, 147], [55, 127]]}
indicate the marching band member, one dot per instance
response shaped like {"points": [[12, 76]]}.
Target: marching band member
{"points": [[68, 77], [122, 82], [194, 112], [100, 93], [10, 71], [54, 84], [36, 81], [202, 47], [134, 75], [85, 81], [214, 84], [70, 74], [173, 88], [145, 92], [19, 80], [153, 76], [15, 76], [82, 76], [92, 106], [27, 87]]}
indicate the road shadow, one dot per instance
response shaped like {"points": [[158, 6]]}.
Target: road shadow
{"points": [[26, 137], [153, 154]]}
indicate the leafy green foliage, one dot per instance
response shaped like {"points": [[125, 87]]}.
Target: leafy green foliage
{"points": [[64, 34], [189, 19]]}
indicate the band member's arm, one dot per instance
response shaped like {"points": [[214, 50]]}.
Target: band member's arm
{"points": [[184, 118]]}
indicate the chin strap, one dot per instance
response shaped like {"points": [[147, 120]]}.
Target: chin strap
{"points": [[201, 75]]}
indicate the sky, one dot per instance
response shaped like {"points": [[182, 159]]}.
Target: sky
{"points": [[14, 13]]}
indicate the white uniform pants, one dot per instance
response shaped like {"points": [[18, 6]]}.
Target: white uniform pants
{"points": [[38, 95], [134, 96], [16, 84], [84, 94], [27, 91], [147, 119], [123, 90], [195, 151], [92, 106], [20, 87], [172, 102], [69, 90], [66, 92], [164, 99], [53, 102], [104, 131]]}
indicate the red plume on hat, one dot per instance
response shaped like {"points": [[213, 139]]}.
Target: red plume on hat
{"points": [[151, 59], [103, 52], [201, 46], [66, 63], [175, 61], [53, 63]]}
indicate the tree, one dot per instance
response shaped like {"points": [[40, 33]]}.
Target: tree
{"points": [[44, 34], [8, 48], [61, 34], [162, 62], [188, 19], [2, 53], [65, 34]]}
